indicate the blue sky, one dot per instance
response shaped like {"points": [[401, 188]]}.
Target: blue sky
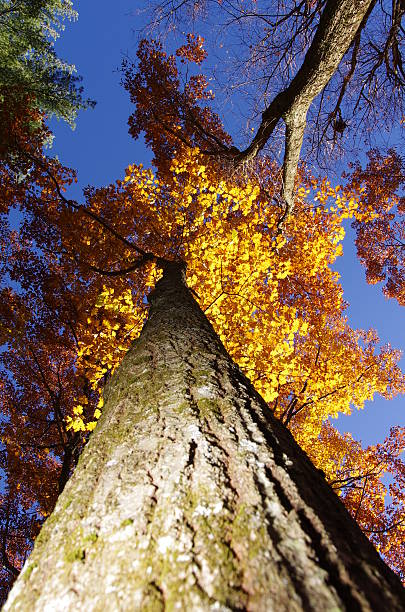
{"points": [[100, 149]]}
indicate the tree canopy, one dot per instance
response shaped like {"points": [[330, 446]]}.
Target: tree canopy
{"points": [[75, 277], [29, 64]]}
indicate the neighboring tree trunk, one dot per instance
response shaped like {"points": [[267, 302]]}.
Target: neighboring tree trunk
{"points": [[191, 496]]}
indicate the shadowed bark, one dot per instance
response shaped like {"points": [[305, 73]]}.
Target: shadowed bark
{"points": [[190, 495]]}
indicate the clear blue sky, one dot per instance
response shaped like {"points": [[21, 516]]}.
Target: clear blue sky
{"points": [[100, 149]]}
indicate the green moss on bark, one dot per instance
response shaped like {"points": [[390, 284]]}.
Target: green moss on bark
{"points": [[29, 570]]}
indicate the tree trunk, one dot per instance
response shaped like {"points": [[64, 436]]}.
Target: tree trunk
{"points": [[191, 496]]}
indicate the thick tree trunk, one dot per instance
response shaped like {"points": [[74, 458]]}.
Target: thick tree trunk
{"points": [[191, 496]]}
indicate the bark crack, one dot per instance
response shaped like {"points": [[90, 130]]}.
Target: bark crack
{"points": [[334, 574], [191, 453]]}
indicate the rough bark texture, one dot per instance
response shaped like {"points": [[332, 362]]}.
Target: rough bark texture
{"points": [[191, 496]]}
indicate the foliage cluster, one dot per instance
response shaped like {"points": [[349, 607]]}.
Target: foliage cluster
{"points": [[31, 71]]}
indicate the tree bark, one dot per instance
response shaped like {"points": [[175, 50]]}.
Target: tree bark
{"points": [[191, 496]]}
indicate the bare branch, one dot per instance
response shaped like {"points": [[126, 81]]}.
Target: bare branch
{"points": [[337, 28]]}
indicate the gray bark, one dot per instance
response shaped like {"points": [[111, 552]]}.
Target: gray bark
{"points": [[191, 496]]}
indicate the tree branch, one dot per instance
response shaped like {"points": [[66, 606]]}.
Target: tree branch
{"points": [[337, 28]]}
